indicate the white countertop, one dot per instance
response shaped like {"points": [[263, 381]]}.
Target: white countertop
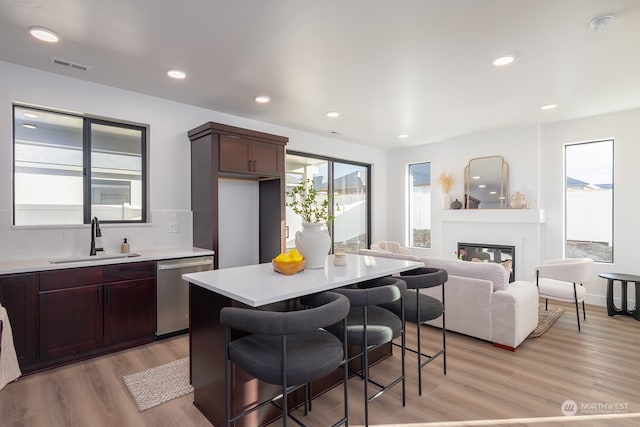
{"points": [[41, 264], [257, 285]]}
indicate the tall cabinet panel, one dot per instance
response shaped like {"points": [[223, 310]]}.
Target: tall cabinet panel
{"points": [[219, 151]]}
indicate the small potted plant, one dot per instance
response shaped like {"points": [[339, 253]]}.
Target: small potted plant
{"points": [[313, 242]]}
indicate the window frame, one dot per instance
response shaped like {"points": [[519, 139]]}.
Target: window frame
{"points": [[330, 178], [565, 187], [87, 120]]}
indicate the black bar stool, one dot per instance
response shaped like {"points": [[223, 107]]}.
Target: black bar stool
{"points": [[370, 326], [286, 348], [420, 308]]}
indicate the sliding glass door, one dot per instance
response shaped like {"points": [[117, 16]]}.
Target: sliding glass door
{"points": [[346, 184]]}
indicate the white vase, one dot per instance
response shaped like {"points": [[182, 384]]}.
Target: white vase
{"points": [[313, 243], [446, 201]]}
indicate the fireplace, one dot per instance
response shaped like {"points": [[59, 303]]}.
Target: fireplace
{"points": [[490, 253]]}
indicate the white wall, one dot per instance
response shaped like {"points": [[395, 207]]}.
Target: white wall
{"points": [[518, 146], [623, 128], [169, 174], [535, 157]]}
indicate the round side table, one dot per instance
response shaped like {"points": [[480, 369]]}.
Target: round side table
{"points": [[623, 279]]}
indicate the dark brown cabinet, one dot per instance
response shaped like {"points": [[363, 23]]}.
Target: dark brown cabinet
{"points": [[70, 321], [129, 302], [129, 310], [220, 151], [241, 155], [19, 296], [85, 309]]}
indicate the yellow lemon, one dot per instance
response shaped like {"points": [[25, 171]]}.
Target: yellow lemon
{"points": [[295, 255]]}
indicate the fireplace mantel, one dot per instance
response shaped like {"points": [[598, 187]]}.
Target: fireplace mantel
{"points": [[521, 216]]}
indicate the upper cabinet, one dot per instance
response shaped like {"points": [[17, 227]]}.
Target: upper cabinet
{"points": [[245, 156]]}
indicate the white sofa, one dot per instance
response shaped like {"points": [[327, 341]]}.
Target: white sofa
{"points": [[480, 301]]}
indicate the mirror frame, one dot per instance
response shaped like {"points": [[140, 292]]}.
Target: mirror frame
{"points": [[504, 182]]}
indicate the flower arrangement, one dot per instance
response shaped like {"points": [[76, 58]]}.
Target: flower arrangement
{"points": [[446, 182], [461, 254], [303, 200]]}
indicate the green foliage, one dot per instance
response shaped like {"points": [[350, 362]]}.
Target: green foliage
{"points": [[303, 200]]}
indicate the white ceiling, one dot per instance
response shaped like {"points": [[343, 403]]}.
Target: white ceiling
{"points": [[417, 67]]}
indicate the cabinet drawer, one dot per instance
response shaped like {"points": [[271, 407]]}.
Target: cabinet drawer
{"points": [[70, 278], [129, 271]]}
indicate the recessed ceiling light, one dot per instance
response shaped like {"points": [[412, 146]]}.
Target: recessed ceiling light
{"points": [[30, 115], [481, 186], [176, 74], [262, 99], [333, 114], [548, 106], [29, 126], [503, 60], [492, 192], [600, 22], [44, 34], [403, 136], [475, 177]]}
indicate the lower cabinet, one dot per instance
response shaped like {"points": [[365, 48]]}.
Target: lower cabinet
{"points": [[59, 316], [70, 321], [129, 310], [19, 296]]}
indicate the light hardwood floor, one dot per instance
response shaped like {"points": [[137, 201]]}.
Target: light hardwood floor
{"points": [[597, 368]]}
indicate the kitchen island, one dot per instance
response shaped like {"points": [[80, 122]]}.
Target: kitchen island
{"points": [[260, 287]]}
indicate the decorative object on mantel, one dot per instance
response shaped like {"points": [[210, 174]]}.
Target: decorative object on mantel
{"points": [[486, 183], [313, 242], [517, 200], [456, 204], [446, 182]]}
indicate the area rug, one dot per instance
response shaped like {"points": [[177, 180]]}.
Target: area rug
{"points": [[158, 385], [546, 318]]}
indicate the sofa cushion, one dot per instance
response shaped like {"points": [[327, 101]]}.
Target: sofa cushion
{"points": [[393, 247], [490, 271], [384, 254]]}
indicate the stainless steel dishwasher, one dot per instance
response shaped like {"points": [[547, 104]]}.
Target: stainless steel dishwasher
{"points": [[173, 292]]}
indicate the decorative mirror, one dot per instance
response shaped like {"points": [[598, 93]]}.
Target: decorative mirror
{"points": [[486, 183]]}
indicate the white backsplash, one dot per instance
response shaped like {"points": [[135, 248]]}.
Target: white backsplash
{"points": [[166, 229]]}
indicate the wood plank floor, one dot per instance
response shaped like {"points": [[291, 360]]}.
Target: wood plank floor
{"points": [[598, 368]]}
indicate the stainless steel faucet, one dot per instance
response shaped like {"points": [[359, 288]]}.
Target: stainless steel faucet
{"points": [[95, 234]]}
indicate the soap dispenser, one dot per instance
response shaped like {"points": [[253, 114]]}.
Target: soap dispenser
{"points": [[124, 247]]}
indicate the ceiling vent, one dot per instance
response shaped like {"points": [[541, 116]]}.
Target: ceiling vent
{"points": [[69, 64]]}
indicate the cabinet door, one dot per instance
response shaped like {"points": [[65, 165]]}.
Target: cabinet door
{"points": [[235, 155], [19, 296], [267, 158], [129, 310], [70, 321]]}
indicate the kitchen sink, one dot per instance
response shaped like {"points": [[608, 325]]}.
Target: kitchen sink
{"points": [[85, 258]]}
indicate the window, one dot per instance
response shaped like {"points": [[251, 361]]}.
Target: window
{"points": [[69, 168], [420, 205], [348, 185], [589, 200]]}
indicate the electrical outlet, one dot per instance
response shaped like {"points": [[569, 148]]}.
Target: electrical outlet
{"points": [[174, 228]]}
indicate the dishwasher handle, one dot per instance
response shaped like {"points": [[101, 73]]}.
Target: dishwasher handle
{"points": [[164, 267]]}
